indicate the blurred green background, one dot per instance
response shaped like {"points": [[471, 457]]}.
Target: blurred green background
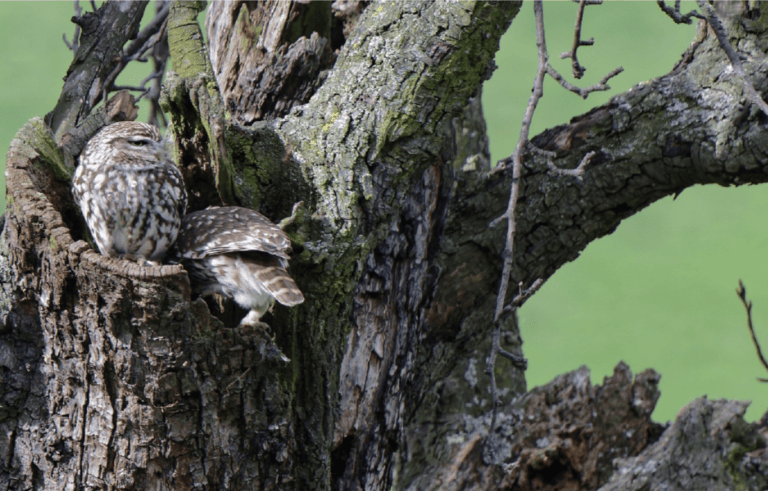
{"points": [[659, 292]]}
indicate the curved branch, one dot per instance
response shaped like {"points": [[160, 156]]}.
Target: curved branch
{"points": [[693, 126], [690, 127]]}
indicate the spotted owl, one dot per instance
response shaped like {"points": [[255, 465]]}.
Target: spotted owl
{"points": [[131, 194], [240, 254]]}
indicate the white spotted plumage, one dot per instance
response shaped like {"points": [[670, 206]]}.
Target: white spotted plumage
{"points": [[131, 194], [238, 253]]}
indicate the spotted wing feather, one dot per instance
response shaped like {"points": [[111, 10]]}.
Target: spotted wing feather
{"points": [[221, 230], [240, 254]]}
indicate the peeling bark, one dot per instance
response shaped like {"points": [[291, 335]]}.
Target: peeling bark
{"points": [[268, 56]]}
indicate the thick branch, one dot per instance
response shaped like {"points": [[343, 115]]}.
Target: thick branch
{"points": [[104, 34], [652, 141], [735, 58]]}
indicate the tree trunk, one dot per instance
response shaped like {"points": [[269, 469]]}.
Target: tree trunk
{"points": [[113, 377]]}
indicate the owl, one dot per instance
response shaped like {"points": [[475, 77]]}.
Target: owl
{"points": [[131, 194], [240, 254]]}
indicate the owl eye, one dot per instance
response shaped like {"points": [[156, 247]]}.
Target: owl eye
{"points": [[139, 143]]}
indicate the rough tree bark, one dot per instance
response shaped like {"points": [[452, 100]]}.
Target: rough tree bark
{"points": [[113, 377]]}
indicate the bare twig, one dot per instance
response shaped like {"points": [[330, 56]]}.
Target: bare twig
{"points": [[523, 296], [76, 36], [146, 40], [742, 293], [675, 15], [578, 70], [578, 172], [733, 56], [133, 88], [160, 53], [517, 166], [515, 159], [584, 92]]}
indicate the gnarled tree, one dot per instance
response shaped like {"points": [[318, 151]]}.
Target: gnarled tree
{"points": [[114, 377]]}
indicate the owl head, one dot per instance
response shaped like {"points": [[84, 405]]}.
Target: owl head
{"points": [[129, 142]]}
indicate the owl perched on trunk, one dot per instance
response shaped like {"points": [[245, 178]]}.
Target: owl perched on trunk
{"points": [[132, 196], [239, 253]]}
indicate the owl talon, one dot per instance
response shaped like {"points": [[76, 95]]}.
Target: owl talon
{"points": [[252, 320]]}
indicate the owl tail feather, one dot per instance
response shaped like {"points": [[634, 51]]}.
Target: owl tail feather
{"points": [[281, 286]]}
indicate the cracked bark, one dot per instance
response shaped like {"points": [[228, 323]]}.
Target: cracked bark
{"points": [[114, 378]]}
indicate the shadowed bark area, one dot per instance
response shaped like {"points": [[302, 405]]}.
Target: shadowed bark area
{"points": [[564, 435], [113, 377]]}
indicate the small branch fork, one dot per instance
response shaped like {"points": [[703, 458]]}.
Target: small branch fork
{"points": [[578, 172], [742, 293], [76, 36], [675, 15], [153, 37], [578, 70], [523, 145]]}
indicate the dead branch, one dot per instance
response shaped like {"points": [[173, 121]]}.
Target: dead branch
{"points": [[103, 34], [145, 41], [722, 37], [523, 144], [76, 36], [578, 172], [578, 70], [585, 91]]}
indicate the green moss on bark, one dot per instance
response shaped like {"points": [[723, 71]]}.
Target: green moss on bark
{"points": [[185, 39]]}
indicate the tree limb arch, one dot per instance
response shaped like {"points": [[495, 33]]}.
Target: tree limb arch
{"points": [[692, 126]]}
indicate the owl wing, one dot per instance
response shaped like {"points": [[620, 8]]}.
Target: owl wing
{"points": [[226, 229]]}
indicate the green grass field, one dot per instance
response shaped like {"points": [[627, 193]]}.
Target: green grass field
{"points": [[657, 293]]}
